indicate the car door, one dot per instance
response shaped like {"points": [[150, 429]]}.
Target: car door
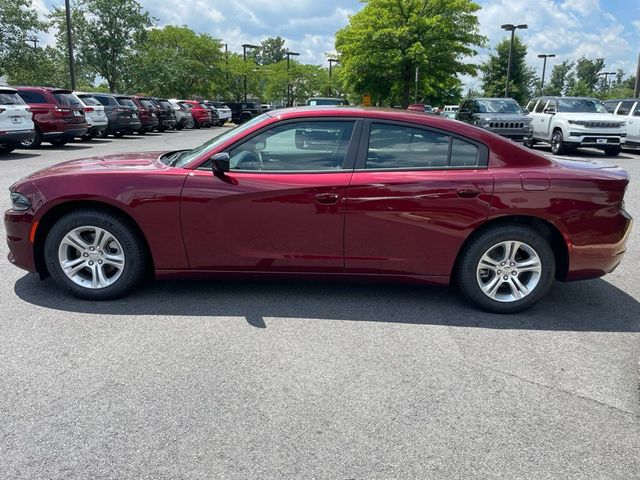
{"points": [[415, 195], [545, 111], [633, 123], [281, 205]]}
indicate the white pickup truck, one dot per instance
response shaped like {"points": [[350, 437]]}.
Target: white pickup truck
{"points": [[567, 123]]}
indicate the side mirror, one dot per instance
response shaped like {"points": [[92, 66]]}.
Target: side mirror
{"points": [[220, 163], [525, 111], [551, 111]]}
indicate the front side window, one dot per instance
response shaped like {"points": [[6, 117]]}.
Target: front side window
{"points": [[625, 108], [299, 146], [398, 146]]}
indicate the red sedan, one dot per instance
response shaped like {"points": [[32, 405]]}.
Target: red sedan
{"points": [[331, 193]]}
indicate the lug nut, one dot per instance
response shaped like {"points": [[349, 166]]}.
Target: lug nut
{"points": [[85, 254], [92, 248], [505, 278], [100, 263], [90, 263], [513, 264], [499, 272], [503, 263], [514, 273]]}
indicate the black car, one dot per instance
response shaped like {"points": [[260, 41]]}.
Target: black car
{"points": [[500, 115], [166, 113], [122, 115], [244, 111]]}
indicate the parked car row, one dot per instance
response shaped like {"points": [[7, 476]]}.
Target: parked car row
{"points": [[32, 115], [565, 123]]}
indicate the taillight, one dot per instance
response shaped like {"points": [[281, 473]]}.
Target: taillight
{"points": [[89, 109], [61, 112]]}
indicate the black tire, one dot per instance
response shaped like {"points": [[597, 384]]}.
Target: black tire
{"points": [[469, 275], [529, 142], [189, 123], [33, 142], [86, 137], [557, 143], [132, 246], [612, 151], [60, 142], [4, 148], [118, 134], [103, 133], [142, 131], [245, 117]]}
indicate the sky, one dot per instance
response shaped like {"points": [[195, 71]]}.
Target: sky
{"points": [[569, 28]]}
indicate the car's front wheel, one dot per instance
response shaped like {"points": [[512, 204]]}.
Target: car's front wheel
{"points": [[557, 143], [94, 255], [506, 268], [612, 151], [33, 142]]}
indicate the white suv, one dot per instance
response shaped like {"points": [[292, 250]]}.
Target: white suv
{"points": [[16, 120], [571, 122], [95, 115], [628, 109]]}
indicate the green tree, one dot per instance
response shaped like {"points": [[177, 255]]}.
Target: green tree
{"points": [[559, 80], [586, 81], [387, 40], [18, 22], [237, 69], [40, 66], [107, 35], [271, 51], [494, 72], [175, 61]]}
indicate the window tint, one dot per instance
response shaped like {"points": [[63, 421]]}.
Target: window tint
{"points": [[300, 146], [106, 101], [625, 107], [636, 111], [7, 98], [147, 103], [127, 102], [89, 100], [540, 106], [67, 99], [531, 104], [464, 154], [580, 105], [32, 97], [397, 146], [611, 106]]}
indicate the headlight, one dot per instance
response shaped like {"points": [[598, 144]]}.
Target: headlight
{"points": [[20, 202], [576, 122]]}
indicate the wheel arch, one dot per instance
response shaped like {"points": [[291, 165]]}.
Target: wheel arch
{"points": [[57, 211], [545, 228]]}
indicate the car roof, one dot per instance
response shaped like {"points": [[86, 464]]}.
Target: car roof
{"points": [[39, 89], [622, 100], [8, 90]]}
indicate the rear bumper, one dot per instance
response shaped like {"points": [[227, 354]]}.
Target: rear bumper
{"points": [[16, 136], [70, 132], [596, 260]]}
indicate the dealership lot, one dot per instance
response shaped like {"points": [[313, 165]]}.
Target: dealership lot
{"points": [[230, 379]]}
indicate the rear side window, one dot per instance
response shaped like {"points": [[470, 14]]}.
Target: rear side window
{"points": [[540, 106], [625, 107], [89, 100], [32, 97], [67, 99], [9, 98], [610, 106], [531, 105], [407, 148]]}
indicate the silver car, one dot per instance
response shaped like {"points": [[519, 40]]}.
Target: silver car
{"points": [[94, 113], [183, 114]]}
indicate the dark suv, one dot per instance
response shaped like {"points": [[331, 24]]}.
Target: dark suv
{"points": [[167, 114], [499, 115], [244, 111], [58, 115], [122, 118], [149, 113]]}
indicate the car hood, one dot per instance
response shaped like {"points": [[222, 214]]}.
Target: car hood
{"points": [[504, 117], [122, 162]]}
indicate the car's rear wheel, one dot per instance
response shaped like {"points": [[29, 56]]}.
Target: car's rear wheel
{"points": [[59, 142], [33, 142], [118, 134], [189, 122], [94, 255], [557, 143], [4, 148], [612, 151], [506, 269]]}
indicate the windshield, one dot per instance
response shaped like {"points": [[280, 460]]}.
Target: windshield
{"points": [[498, 106], [580, 105], [7, 98], [212, 144]]}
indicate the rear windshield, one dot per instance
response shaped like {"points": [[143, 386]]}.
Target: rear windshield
{"points": [[8, 98], [106, 101], [126, 102], [580, 105], [89, 100], [67, 99], [147, 103], [217, 104], [166, 104], [186, 105]]}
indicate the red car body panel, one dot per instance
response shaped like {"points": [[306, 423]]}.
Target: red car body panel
{"points": [[369, 224], [199, 113]]}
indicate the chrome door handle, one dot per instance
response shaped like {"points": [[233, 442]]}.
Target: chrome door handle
{"points": [[327, 198]]}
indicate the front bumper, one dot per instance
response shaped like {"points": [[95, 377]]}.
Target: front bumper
{"points": [[518, 135], [18, 227], [595, 139]]}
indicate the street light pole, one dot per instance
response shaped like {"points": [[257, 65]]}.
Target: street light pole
{"points": [[544, 68], [511, 28], [72, 73], [636, 90], [288, 53], [244, 56], [331, 62], [607, 86]]}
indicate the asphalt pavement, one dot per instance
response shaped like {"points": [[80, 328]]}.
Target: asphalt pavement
{"points": [[291, 380]]}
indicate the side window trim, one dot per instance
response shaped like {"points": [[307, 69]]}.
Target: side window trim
{"points": [[483, 150], [350, 157]]}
